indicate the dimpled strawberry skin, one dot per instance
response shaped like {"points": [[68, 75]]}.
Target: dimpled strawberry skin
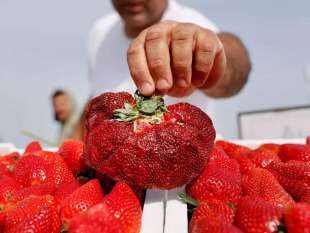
{"points": [[164, 155]]}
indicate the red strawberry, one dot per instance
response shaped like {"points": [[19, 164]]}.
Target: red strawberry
{"points": [[204, 225], [297, 219], [27, 214], [65, 189], [214, 210], [45, 220], [169, 150], [98, 218], [220, 179], [255, 215], [294, 152], [102, 107], [272, 147], [7, 163], [81, 200], [262, 157], [293, 176], [4, 170], [260, 182], [246, 165], [47, 168], [305, 197], [33, 147], [233, 150], [7, 187], [308, 140], [72, 152], [125, 206], [217, 153], [36, 190], [30, 170]]}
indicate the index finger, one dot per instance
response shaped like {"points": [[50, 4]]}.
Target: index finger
{"points": [[138, 66]]}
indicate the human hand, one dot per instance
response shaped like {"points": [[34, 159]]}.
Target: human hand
{"points": [[175, 58]]}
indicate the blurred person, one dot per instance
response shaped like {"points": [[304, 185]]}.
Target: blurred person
{"points": [[65, 113], [171, 49]]}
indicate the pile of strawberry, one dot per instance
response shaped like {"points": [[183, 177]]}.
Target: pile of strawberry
{"points": [[243, 190], [43, 192]]}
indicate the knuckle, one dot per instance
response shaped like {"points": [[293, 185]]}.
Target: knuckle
{"points": [[182, 32], [156, 63], [155, 33], [134, 48]]}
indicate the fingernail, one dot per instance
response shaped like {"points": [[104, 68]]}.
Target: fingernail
{"points": [[162, 84], [146, 88], [182, 83]]}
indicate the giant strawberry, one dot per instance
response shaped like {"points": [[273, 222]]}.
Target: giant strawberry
{"points": [[142, 142]]}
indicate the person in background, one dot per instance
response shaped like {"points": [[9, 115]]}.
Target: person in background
{"points": [[161, 46], [65, 113]]}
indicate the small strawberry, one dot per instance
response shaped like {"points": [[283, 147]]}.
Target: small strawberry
{"points": [[46, 168], [72, 152], [30, 170], [45, 220], [220, 179], [297, 219], [204, 225], [125, 206], [294, 152], [81, 200], [7, 187], [233, 150], [262, 157], [7, 163], [65, 189], [33, 147], [255, 215], [246, 165], [27, 214], [99, 218], [305, 197], [272, 147], [36, 190], [4, 170], [293, 176], [214, 210], [260, 182]]}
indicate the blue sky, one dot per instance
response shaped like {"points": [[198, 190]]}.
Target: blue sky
{"points": [[43, 46]]}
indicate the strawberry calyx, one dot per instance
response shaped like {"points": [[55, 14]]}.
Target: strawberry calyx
{"points": [[148, 110]]}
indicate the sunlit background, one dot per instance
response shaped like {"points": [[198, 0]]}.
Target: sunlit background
{"points": [[43, 47]]}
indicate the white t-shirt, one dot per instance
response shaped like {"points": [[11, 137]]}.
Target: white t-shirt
{"points": [[107, 54]]}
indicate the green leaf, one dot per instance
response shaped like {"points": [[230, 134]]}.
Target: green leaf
{"points": [[187, 199]]}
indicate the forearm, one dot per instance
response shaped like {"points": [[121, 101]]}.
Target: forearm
{"points": [[238, 67]]}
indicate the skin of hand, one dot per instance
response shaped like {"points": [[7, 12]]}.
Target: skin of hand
{"points": [[177, 58]]}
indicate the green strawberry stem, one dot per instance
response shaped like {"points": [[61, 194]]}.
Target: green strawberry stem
{"points": [[187, 199], [150, 109], [281, 228]]}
